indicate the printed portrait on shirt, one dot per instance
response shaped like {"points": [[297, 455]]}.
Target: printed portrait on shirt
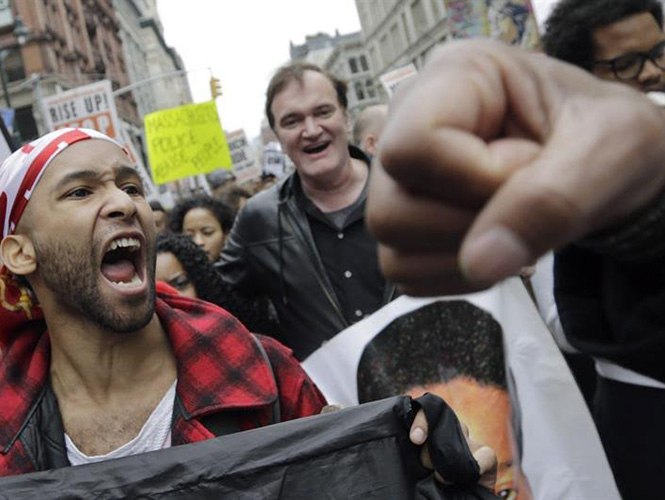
{"points": [[455, 350]]}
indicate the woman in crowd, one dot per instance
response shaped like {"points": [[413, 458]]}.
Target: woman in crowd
{"points": [[185, 266], [205, 220]]}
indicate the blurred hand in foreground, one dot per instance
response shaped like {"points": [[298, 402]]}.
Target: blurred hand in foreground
{"points": [[493, 156]]}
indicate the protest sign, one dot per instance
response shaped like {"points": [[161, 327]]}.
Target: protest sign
{"points": [[186, 141], [274, 160], [511, 21], [89, 106], [490, 356], [245, 167], [467, 18], [392, 79]]}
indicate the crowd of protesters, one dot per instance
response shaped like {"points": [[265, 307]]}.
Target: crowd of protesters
{"points": [[294, 262]]}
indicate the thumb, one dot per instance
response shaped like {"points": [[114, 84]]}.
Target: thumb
{"points": [[526, 217]]}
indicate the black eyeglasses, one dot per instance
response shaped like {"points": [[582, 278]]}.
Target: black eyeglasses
{"points": [[629, 66]]}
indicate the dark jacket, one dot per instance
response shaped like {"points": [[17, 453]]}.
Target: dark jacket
{"points": [[225, 384], [271, 251], [612, 310], [610, 293]]}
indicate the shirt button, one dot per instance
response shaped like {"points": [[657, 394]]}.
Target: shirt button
{"points": [[359, 313], [347, 274], [340, 236]]}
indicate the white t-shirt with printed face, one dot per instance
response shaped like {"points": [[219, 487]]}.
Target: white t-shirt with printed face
{"points": [[154, 435]]}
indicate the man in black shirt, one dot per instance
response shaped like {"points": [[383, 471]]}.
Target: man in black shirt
{"points": [[303, 243]]}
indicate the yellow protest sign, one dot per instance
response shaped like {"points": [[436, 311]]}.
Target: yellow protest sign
{"points": [[185, 141]]}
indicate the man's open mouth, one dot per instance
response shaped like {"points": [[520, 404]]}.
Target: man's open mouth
{"points": [[316, 148], [122, 264]]}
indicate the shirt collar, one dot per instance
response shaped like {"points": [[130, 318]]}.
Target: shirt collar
{"points": [[313, 211], [220, 366]]}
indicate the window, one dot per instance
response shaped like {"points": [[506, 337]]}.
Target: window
{"points": [[386, 49], [363, 63], [369, 86], [437, 8], [12, 63], [24, 121], [419, 17], [396, 39], [353, 65], [365, 17], [360, 92], [405, 25], [373, 58]]}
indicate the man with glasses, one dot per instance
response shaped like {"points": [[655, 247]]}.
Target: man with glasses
{"points": [[618, 40], [605, 310]]}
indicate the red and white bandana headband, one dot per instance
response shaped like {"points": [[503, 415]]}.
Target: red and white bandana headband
{"points": [[19, 174]]}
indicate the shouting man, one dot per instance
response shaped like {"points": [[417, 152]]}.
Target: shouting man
{"points": [[94, 364]]}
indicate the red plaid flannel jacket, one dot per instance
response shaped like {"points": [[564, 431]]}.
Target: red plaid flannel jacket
{"points": [[220, 368]]}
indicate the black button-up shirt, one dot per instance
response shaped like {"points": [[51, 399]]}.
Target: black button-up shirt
{"points": [[348, 252]]}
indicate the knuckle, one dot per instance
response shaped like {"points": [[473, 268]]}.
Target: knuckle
{"points": [[401, 152], [547, 212]]}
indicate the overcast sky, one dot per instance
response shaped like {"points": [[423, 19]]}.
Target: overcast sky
{"points": [[244, 41]]}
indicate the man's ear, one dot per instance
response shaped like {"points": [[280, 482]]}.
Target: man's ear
{"points": [[18, 254], [370, 144]]}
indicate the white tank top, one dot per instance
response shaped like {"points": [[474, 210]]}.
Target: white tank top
{"points": [[154, 435]]}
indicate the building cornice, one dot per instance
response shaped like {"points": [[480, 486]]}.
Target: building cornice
{"points": [[149, 22]]}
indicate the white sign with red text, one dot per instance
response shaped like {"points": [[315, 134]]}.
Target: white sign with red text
{"points": [[392, 79], [90, 106]]}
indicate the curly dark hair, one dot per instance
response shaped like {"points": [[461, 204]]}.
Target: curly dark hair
{"points": [[253, 313], [222, 212], [434, 344], [569, 27]]}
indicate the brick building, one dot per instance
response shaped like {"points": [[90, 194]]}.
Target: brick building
{"points": [[69, 43]]}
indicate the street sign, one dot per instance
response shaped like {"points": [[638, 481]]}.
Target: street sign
{"points": [[245, 167], [89, 106]]}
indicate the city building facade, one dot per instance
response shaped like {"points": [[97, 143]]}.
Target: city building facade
{"points": [[345, 57], [400, 32], [129, 14], [170, 91], [349, 62], [68, 43]]}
